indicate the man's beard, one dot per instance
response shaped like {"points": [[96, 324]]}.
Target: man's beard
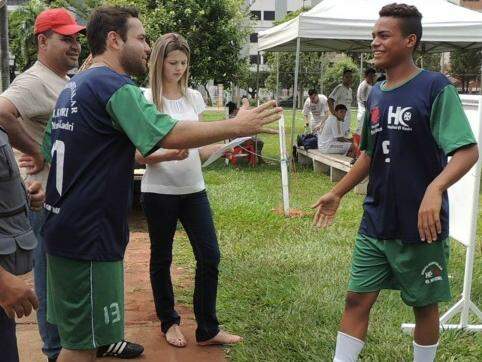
{"points": [[132, 65]]}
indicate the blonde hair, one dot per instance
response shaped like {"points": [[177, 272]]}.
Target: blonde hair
{"points": [[163, 46]]}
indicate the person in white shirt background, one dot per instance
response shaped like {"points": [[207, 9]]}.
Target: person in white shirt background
{"points": [[315, 110], [362, 95], [173, 189], [343, 94], [332, 138]]}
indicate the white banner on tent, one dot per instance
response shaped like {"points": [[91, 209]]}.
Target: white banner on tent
{"points": [[463, 196], [464, 209]]}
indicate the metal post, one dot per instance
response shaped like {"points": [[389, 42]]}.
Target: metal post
{"points": [[257, 77], [295, 91], [284, 167], [277, 77], [4, 57], [361, 66]]}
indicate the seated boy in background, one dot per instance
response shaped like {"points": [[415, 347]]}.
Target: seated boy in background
{"points": [[332, 138]]}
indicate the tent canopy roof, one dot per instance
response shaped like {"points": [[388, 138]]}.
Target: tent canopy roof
{"points": [[346, 25]]}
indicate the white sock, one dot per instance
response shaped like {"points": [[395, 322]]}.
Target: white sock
{"points": [[347, 348], [424, 353]]}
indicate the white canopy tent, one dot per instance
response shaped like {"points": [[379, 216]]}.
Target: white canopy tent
{"points": [[346, 25]]}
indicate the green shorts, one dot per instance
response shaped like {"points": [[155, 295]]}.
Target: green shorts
{"points": [[419, 271], [85, 299]]}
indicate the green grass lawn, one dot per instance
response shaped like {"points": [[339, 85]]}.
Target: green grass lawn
{"points": [[282, 282]]}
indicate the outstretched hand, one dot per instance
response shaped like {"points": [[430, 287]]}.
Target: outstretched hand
{"points": [[326, 208], [252, 121]]}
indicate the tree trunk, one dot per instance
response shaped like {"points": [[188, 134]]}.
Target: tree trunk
{"points": [[210, 101], [300, 95], [4, 58]]}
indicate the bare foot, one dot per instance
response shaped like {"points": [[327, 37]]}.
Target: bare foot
{"points": [[222, 337], [175, 337]]}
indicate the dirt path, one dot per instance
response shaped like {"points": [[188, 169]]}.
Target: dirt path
{"points": [[142, 325]]}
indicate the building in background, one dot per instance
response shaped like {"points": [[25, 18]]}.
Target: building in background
{"points": [[13, 4], [471, 4]]}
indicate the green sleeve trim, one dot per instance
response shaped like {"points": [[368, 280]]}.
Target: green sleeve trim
{"points": [[367, 143], [448, 122], [46, 147], [139, 119]]}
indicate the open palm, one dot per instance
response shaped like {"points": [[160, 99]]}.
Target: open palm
{"points": [[326, 208]]}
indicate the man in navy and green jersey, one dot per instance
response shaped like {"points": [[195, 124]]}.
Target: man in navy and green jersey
{"points": [[413, 121], [100, 119]]}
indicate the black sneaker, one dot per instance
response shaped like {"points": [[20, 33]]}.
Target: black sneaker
{"points": [[122, 349]]}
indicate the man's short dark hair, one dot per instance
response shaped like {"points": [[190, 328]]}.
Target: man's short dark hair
{"points": [[409, 17], [346, 71], [369, 71], [104, 20], [340, 107], [312, 92]]}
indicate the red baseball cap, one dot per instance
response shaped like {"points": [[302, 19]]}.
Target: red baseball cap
{"points": [[59, 20]]}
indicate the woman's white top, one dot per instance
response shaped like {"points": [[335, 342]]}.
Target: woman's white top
{"points": [[184, 176]]}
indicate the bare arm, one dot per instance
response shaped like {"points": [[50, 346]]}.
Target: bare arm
{"points": [[357, 174], [19, 138], [429, 224], [331, 105], [206, 151], [327, 205], [162, 156], [246, 123], [306, 111]]}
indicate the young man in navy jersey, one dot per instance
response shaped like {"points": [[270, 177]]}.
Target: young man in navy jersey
{"points": [[100, 119], [414, 120]]}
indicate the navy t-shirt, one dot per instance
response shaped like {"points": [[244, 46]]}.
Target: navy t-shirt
{"points": [[408, 132], [99, 120]]}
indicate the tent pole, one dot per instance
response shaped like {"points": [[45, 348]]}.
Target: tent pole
{"points": [[257, 77], [277, 77], [361, 66], [295, 91]]}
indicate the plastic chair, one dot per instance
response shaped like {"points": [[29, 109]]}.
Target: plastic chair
{"points": [[246, 150]]}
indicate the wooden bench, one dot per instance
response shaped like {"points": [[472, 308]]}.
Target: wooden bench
{"points": [[336, 166]]}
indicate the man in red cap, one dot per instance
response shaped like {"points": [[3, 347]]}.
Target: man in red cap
{"points": [[25, 108]]}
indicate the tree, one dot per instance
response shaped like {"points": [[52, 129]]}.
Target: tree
{"points": [[428, 61], [249, 81], [465, 65], [310, 68], [215, 29], [21, 22], [333, 73]]}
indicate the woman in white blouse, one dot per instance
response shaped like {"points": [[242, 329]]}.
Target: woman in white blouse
{"points": [[173, 189]]}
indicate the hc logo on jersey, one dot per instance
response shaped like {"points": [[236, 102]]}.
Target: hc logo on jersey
{"points": [[399, 116]]}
